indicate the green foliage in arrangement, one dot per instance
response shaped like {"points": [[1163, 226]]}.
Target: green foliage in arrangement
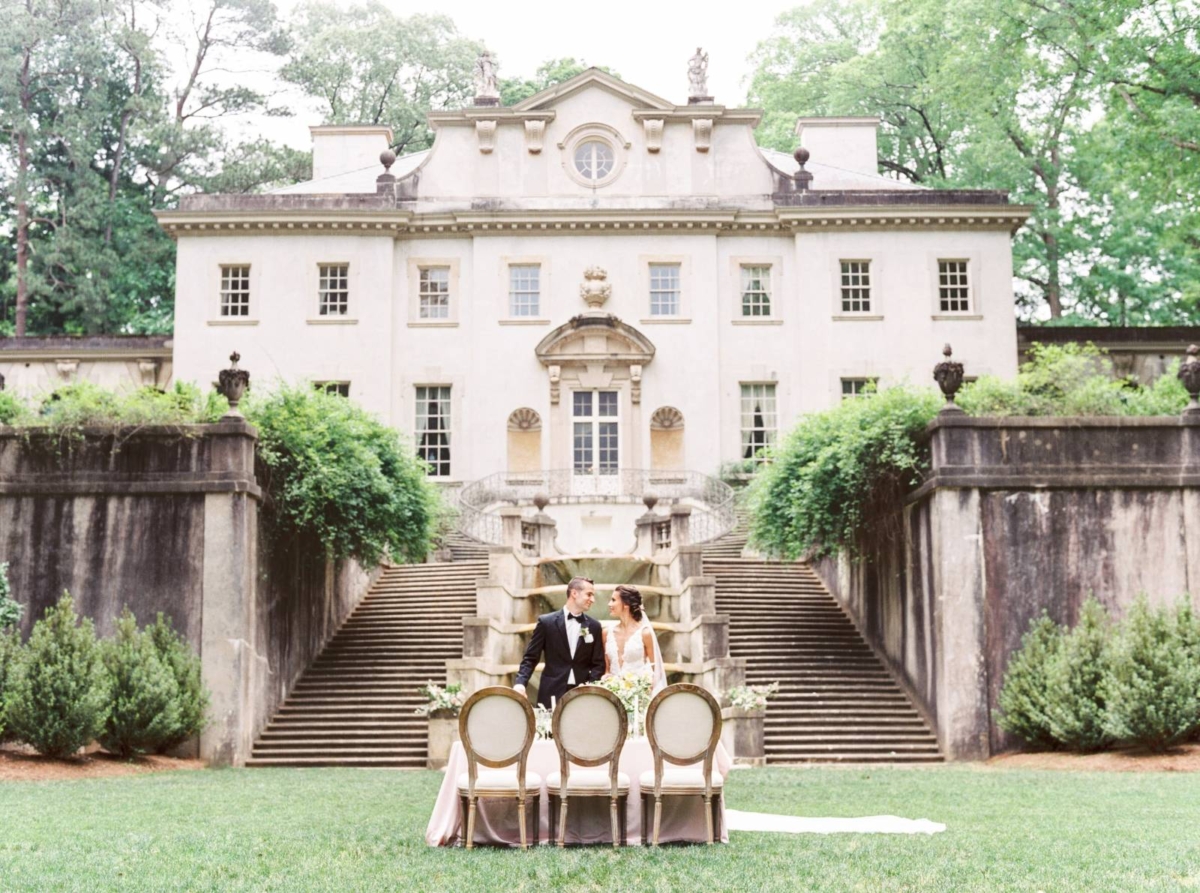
{"points": [[143, 695], [1154, 684], [1071, 380], [57, 699], [192, 698], [838, 470], [1076, 682], [1136, 682], [1024, 698], [339, 475]]}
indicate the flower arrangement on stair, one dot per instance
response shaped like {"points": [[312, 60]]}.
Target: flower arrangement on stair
{"points": [[744, 730], [442, 707]]}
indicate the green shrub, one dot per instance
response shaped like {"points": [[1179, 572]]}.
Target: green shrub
{"points": [[1153, 689], [1076, 681], [10, 611], [840, 468], [86, 405], [13, 410], [339, 475], [57, 698], [10, 653], [143, 696], [192, 699], [1024, 698], [1071, 380]]}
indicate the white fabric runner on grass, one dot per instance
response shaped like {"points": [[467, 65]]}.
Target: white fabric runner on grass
{"points": [[736, 820]]}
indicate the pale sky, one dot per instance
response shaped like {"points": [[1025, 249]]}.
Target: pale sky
{"points": [[647, 43]]}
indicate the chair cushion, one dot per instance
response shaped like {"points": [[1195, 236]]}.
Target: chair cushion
{"points": [[679, 778], [499, 781], [587, 781]]}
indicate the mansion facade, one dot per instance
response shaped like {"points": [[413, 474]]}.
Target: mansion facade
{"points": [[594, 279]]}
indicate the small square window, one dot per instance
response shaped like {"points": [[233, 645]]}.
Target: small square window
{"points": [[664, 289], [340, 388], [333, 289], [433, 428], [434, 294], [858, 387], [756, 290], [954, 291], [235, 291], [524, 289], [856, 286]]}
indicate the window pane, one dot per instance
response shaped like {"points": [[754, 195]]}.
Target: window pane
{"points": [[433, 428], [524, 289], [608, 448], [758, 419], [664, 289], [756, 290], [333, 290], [856, 286], [583, 448], [235, 291], [434, 293], [583, 404], [954, 295], [608, 403]]}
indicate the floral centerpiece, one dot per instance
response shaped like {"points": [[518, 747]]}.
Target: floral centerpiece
{"points": [[443, 702], [633, 688], [545, 722], [752, 697]]}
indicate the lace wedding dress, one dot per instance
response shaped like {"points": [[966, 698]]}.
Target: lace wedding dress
{"points": [[635, 657]]}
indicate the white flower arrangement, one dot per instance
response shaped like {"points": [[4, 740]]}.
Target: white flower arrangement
{"points": [[752, 697], [442, 701], [544, 730], [633, 687]]}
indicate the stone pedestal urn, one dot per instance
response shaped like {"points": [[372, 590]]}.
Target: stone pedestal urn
{"points": [[743, 734], [443, 732]]}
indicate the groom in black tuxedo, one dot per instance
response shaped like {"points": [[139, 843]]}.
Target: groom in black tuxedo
{"points": [[572, 642]]}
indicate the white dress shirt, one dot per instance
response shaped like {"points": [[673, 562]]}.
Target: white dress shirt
{"points": [[573, 627]]}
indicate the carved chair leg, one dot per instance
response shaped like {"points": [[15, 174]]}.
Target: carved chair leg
{"points": [[625, 820], [562, 821], [657, 817], [471, 825], [521, 823], [616, 824], [708, 818]]}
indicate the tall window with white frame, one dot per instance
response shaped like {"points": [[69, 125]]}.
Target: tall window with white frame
{"points": [[758, 420], [756, 290], [856, 286], [433, 428], [333, 289], [596, 433], [434, 296], [664, 289], [524, 290], [235, 290], [954, 289]]}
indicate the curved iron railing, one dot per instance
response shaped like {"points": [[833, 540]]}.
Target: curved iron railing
{"points": [[711, 500]]}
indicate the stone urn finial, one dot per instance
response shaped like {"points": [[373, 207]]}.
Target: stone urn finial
{"points": [[596, 288], [802, 177], [540, 501], [1189, 374], [949, 376], [649, 501], [232, 384]]}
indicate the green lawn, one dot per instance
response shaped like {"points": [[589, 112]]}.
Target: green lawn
{"points": [[349, 830]]}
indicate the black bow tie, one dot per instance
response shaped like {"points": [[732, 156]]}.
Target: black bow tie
{"points": [[578, 618]]}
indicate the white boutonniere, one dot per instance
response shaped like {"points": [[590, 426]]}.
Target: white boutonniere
{"points": [[586, 635]]}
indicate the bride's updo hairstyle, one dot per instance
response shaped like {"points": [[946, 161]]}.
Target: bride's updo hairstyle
{"points": [[632, 599]]}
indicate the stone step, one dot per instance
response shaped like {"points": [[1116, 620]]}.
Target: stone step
{"points": [[358, 744], [354, 761], [785, 758]]}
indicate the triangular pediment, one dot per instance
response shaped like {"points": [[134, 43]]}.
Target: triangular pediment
{"points": [[593, 78], [594, 338]]}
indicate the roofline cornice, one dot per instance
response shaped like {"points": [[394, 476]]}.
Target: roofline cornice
{"points": [[488, 113], [708, 112], [401, 222], [83, 353]]}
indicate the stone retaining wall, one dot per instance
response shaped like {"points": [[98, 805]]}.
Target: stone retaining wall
{"points": [[167, 519], [1019, 516]]}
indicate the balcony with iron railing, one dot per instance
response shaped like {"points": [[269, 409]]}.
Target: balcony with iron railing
{"points": [[711, 500]]}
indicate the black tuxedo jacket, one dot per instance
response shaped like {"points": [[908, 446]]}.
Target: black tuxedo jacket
{"points": [[550, 636]]}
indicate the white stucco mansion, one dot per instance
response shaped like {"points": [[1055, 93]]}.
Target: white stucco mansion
{"points": [[594, 279]]}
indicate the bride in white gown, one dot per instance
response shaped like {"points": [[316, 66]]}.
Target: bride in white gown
{"points": [[630, 644]]}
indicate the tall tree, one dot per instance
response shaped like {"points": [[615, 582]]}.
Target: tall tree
{"points": [[368, 66], [548, 74]]}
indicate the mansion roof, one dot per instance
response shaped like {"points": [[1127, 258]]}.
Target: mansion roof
{"points": [[497, 168]]}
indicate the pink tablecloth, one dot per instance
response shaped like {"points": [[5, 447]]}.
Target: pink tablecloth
{"points": [[588, 821]]}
